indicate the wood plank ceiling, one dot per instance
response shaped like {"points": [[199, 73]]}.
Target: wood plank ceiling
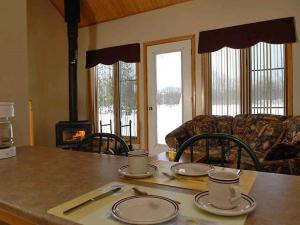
{"points": [[97, 11]]}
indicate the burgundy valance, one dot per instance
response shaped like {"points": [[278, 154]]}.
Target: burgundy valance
{"points": [[108, 56], [276, 31]]}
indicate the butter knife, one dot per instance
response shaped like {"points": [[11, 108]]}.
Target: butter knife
{"points": [[100, 196]]}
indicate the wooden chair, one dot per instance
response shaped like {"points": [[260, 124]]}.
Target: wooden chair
{"points": [[130, 133], [225, 141], [104, 143]]}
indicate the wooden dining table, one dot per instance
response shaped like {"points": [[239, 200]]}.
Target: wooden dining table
{"points": [[40, 178]]}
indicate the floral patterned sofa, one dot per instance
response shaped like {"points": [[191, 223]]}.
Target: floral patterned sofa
{"points": [[275, 139]]}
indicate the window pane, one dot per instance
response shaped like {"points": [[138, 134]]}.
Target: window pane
{"points": [[225, 82], [128, 98], [105, 96], [169, 94], [267, 79]]}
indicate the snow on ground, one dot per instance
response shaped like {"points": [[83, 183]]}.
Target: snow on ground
{"points": [[168, 118]]}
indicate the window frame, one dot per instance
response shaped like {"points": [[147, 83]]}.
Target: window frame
{"points": [[245, 90], [93, 101]]}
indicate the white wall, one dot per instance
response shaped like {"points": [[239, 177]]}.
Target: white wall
{"points": [[189, 18], [48, 69], [13, 64]]}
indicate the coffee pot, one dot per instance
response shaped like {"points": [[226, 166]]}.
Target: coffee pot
{"points": [[7, 148]]}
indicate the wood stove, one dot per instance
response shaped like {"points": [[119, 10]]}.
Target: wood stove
{"points": [[70, 133]]}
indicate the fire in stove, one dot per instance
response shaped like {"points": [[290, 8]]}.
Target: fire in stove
{"points": [[71, 136]]}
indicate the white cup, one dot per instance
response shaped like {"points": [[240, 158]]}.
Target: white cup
{"points": [[138, 162], [224, 190]]}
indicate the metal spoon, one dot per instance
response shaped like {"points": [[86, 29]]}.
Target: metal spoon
{"points": [[143, 193]]}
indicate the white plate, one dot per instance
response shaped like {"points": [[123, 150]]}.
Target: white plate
{"points": [[149, 209], [191, 169], [247, 204], [151, 170]]}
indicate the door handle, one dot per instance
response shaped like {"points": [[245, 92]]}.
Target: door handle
{"points": [[150, 108]]}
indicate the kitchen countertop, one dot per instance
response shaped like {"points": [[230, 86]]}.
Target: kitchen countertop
{"points": [[40, 178]]}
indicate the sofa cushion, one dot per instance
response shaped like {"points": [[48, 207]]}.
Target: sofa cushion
{"points": [[180, 134], [215, 155], [224, 124], [268, 136], [294, 165], [292, 125], [204, 124], [282, 151], [199, 125], [238, 125], [188, 128], [261, 140], [260, 131]]}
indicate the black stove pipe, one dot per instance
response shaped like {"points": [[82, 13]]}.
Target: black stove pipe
{"points": [[72, 17]]}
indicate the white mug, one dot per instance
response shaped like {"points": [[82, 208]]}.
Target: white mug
{"points": [[138, 162], [224, 190]]}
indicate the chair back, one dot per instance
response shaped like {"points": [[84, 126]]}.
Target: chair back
{"points": [[224, 140], [104, 143]]}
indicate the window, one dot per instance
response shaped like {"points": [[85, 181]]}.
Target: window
{"points": [[267, 73], [252, 80], [128, 97], [116, 93], [225, 82]]}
